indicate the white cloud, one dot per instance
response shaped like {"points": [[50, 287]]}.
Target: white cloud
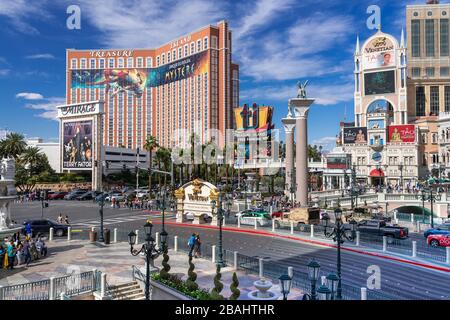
{"points": [[48, 106], [20, 12], [41, 56], [4, 72], [29, 96], [324, 94], [327, 143]]}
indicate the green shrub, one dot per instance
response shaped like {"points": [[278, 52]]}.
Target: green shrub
{"points": [[234, 288]]}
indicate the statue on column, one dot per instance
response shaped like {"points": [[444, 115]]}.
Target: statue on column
{"points": [[302, 89]]}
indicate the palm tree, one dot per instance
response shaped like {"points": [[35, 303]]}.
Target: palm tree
{"points": [[32, 156], [13, 145], [150, 144]]}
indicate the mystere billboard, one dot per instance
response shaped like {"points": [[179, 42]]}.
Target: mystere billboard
{"points": [[77, 148], [355, 135], [379, 82], [135, 80], [403, 133]]}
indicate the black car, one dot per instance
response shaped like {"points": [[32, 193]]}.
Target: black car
{"points": [[44, 225], [90, 195], [74, 194]]}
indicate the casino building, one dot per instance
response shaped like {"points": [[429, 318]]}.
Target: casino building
{"points": [[189, 83], [383, 145]]}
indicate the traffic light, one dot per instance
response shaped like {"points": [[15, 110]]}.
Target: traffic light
{"points": [[124, 166]]}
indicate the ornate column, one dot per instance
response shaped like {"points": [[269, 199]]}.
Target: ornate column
{"points": [[301, 107], [289, 127], [179, 194]]}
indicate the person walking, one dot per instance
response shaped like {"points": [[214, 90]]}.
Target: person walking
{"points": [[66, 220], [60, 219], [11, 255], [28, 230], [191, 244], [198, 248], [26, 252]]}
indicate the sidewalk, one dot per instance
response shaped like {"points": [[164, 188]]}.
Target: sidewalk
{"points": [[115, 260]]}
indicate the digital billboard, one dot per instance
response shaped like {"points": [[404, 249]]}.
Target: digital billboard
{"points": [[376, 124], [135, 80], [379, 82], [403, 133], [355, 135], [77, 147], [379, 53], [337, 162]]}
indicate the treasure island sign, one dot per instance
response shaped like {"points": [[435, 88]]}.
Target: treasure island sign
{"points": [[195, 199]]}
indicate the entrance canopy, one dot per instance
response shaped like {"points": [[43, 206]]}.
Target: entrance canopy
{"points": [[377, 173]]}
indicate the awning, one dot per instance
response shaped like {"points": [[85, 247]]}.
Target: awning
{"points": [[377, 173]]}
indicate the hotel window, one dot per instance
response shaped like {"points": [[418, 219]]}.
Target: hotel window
{"points": [[92, 94], [110, 120], [129, 120], [140, 62], [205, 43], [444, 38], [429, 37], [120, 63], [434, 138], [157, 61], [130, 62], [163, 60], [444, 72], [111, 63], [420, 101], [179, 53], [192, 48], [434, 100], [186, 50], [149, 111], [92, 64], [120, 120], [83, 64], [101, 64], [199, 45], [148, 62], [447, 98], [168, 57], [214, 42], [73, 63], [415, 38], [429, 72], [174, 55], [415, 72], [424, 138]]}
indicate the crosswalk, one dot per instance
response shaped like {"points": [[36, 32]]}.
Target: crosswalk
{"points": [[89, 223]]}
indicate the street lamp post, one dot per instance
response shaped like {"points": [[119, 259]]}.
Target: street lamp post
{"points": [[313, 272], [148, 248], [285, 285], [338, 234], [400, 167], [220, 217], [102, 203]]}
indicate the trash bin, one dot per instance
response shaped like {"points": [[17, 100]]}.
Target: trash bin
{"points": [[107, 236], [92, 236]]}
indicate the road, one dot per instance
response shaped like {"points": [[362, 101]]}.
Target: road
{"points": [[402, 280]]}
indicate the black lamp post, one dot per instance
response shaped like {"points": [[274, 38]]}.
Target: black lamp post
{"points": [[101, 205], [400, 167], [148, 248], [332, 282], [285, 285], [162, 203], [220, 218], [313, 272], [339, 233]]}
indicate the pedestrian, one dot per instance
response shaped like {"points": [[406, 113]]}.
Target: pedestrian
{"points": [[41, 247], [11, 255], [113, 200], [28, 230], [60, 219], [191, 244], [66, 219], [26, 252], [198, 248]]}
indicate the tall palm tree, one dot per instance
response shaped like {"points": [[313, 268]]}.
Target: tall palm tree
{"points": [[150, 144], [32, 156], [13, 145]]}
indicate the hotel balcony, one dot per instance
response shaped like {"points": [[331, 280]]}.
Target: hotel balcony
{"points": [[444, 115]]}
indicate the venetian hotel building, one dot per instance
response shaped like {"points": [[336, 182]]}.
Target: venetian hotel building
{"points": [[190, 82]]}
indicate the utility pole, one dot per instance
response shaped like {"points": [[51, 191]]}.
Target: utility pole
{"points": [[137, 169]]}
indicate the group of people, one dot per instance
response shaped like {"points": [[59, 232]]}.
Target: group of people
{"points": [[14, 251], [63, 220], [195, 245]]}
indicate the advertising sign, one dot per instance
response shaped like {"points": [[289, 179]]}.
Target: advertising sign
{"points": [[403, 133], [77, 145], [337, 162], [135, 80], [379, 53], [379, 82], [79, 109], [355, 135], [376, 124]]}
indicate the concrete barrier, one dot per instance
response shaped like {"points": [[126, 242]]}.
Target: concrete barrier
{"points": [[175, 243], [363, 293], [414, 249], [69, 233], [50, 235]]}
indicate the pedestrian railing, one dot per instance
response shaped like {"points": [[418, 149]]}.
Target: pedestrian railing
{"points": [[37, 290]]}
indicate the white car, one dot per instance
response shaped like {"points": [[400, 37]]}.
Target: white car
{"points": [[142, 193], [262, 219], [118, 196]]}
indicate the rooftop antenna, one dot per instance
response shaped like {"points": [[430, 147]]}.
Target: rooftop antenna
{"points": [[345, 112]]}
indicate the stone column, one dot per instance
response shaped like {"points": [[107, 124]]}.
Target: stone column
{"points": [[301, 107], [289, 126]]}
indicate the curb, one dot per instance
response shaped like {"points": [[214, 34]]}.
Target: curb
{"points": [[265, 233]]}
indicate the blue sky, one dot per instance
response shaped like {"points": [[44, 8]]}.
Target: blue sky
{"points": [[276, 43]]}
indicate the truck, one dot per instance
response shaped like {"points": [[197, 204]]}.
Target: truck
{"points": [[300, 218], [380, 228]]}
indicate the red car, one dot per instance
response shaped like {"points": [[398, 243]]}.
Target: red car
{"points": [[279, 213], [57, 195], [439, 240]]}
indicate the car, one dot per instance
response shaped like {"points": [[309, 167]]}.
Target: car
{"points": [[240, 213], [380, 228], [279, 213], [44, 225], [439, 240], [74, 194], [115, 195], [206, 218], [440, 229], [90, 195], [99, 197], [57, 195], [262, 218], [142, 193]]}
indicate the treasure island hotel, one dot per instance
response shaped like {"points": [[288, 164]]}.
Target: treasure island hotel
{"points": [[190, 82]]}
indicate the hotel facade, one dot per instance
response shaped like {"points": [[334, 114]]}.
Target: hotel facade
{"points": [[187, 84]]}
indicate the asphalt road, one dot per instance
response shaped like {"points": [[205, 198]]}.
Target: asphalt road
{"points": [[402, 280]]}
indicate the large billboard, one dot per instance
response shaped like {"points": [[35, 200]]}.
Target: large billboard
{"points": [[379, 53], [355, 135], [379, 82], [77, 148], [403, 133], [337, 162], [135, 80]]}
